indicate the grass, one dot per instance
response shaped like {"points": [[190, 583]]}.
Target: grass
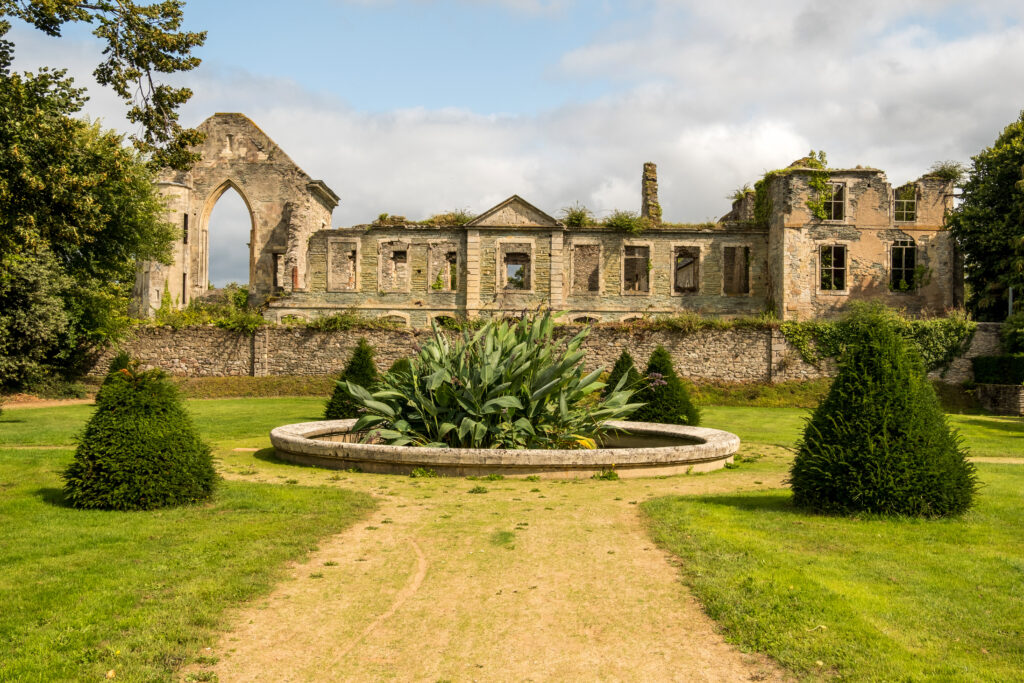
{"points": [[862, 598], [86, 592]]}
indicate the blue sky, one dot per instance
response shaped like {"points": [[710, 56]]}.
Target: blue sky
{"points": [[419, 106]]}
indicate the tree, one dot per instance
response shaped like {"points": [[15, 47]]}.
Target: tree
{"points": [[77, 210], [666, 398], [623, 366], [879, 442], [989, 223], [141, 40], [139, 450], [360, 371]]}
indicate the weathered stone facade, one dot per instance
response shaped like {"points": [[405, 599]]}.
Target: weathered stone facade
{"points": [[733, 355], [877, 242]]}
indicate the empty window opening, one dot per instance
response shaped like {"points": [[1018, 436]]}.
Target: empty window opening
{"points": [[736, 270], [904, 266], [185, 229], [452, 268], [278, 272], [905, 204], [230, 228], [517, 271], [395, 269], [835, 202], [585, 320], [636, 269], [833, 267], [687, 264], [586, 268], [341, 265], [184, 289]]}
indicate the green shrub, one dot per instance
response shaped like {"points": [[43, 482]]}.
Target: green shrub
{"points": [[879, 442], [665, 396], [510, 384], [577, 216], [360, 371], [1011, 334], [999, 369], [139, 450], [626, 221], [403, 365], [623, 366]]}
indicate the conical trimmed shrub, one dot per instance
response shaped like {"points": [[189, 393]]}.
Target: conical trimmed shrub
{"points": [[879, 442], [139, 450], [623, 366], [359, 370], [666, 398]]}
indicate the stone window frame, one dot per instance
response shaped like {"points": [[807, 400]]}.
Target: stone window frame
{"points": [[890, 245], [338, 239], [585, 318], [846, 203], [700, 247], [447, 246], [915, 201], [407, 287], [650, 266], [750, 267], [403, 315], [586, 242], [818, 244], [453, 314], [501, 273]]}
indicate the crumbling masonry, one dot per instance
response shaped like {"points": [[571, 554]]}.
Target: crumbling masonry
{"points": [[876, 242]]}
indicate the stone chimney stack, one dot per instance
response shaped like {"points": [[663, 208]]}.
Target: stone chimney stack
{"points": [[650, 208]]}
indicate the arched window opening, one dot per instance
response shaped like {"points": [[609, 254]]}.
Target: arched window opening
{"points": [[230, 227]]}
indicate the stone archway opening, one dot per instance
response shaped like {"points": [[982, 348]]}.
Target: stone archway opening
{"points": [[228, 236]]}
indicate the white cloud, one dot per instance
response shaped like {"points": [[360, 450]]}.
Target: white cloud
{"points": [[714, 93]]}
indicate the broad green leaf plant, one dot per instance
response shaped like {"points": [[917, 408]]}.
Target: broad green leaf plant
{"points": [[506, 385]]}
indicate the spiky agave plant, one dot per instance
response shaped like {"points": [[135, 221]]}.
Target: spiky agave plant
{"points": [[506, 385]]}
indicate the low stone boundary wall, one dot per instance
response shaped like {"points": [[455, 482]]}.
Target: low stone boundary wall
{"points": [[731, 355], [1002, 399]]}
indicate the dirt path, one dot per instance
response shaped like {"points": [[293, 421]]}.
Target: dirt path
{"points": [[529, 581]]}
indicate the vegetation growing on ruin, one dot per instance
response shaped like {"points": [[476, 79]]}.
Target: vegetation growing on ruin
{"points": [[577, 216], [507, 385], [454, 217], [953, 171], [818, 180], [937, 340], [228, 309], [629, 222]]}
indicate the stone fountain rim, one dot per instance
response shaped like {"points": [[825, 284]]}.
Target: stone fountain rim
{"points": [[298, 443]]}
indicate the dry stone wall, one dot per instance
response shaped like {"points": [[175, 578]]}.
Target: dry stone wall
{"points": [[733, 355]]}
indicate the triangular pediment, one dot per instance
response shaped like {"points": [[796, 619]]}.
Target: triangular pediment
{"points": [[514, 212]]}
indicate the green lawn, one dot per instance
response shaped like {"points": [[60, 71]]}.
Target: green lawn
{"points": [[863, 599], [85, 592], [985, 435]]}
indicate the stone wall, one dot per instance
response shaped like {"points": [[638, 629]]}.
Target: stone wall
{"points": [[733, 355], [1002, 399]]}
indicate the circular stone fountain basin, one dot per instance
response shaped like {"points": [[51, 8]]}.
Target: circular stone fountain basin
{"points": [[639, 449]]}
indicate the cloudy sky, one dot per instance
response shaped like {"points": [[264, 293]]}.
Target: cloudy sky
{"points": [[415, 107]]}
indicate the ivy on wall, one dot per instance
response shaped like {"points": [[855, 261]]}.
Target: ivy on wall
{"points": [[818, 179], [939, 340]]}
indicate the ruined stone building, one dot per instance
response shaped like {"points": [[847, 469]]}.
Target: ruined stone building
{"points": [[770, 254]]}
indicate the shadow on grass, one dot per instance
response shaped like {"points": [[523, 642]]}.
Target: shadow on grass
{"points": [[773, 501], [270, 455], [7, 420], [54, 497], [1005, 423]]}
